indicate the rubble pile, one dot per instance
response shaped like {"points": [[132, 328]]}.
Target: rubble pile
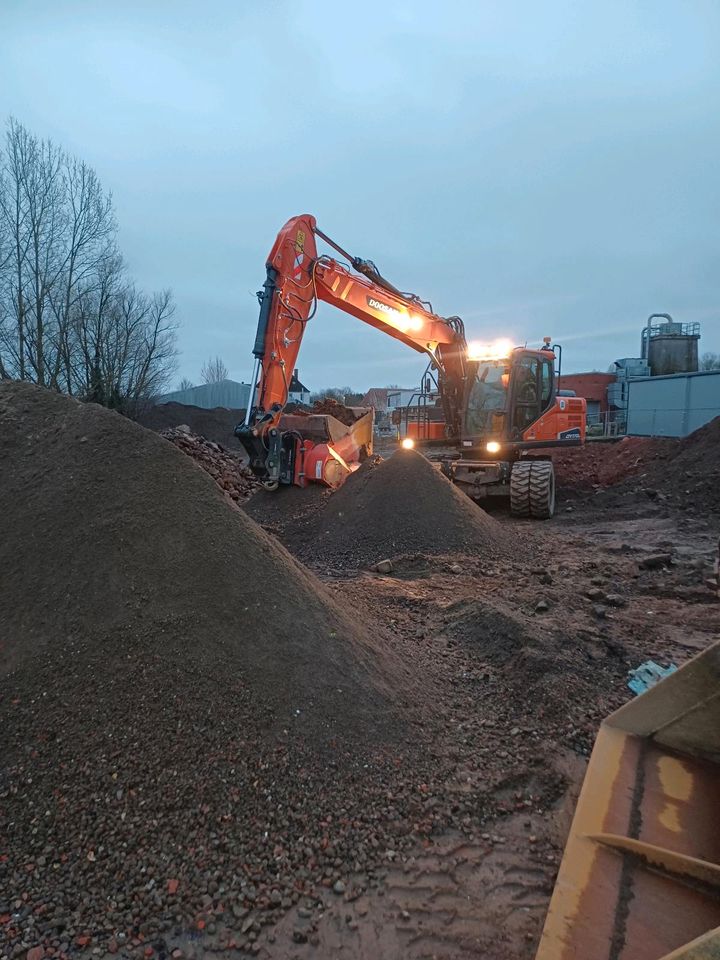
{"points": [[225, 469]]}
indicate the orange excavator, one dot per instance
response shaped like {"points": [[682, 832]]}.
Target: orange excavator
{"points": [[501, 406]]}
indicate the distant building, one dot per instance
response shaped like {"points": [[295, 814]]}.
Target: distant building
{"points": [[593, 387], [401, 397], [226, 393], [298, 392], [377, 398]]}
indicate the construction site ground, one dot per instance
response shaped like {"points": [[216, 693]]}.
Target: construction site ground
{"points": [[527, 657], [479, 676]]}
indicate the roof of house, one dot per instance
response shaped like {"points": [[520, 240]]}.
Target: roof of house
{"points": [[296, 386], [376, 397]]}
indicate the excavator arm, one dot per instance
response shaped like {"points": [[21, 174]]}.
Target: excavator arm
{"points": [[297, 278]]}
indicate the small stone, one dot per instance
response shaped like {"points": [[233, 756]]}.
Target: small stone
{"points": [[247, 925], [36, 953], [304, 913], [455, 568], [594, 593], [384, 566], [542, 606], [600, 611], [615, 600], [299, 936], [339, 887]]}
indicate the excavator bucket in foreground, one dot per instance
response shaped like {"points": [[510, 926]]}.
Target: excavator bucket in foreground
{"points": [[640, 876]]}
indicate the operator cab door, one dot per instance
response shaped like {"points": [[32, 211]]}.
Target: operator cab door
{"points": [[533, 391]]}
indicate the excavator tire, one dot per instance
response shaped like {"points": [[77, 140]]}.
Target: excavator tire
{"points": [[532, 489]]}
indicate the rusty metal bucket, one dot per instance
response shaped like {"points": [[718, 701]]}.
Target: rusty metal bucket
{"points": [[640, 875]]}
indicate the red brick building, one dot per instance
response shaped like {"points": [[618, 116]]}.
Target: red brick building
{"points": [[592, 386]]}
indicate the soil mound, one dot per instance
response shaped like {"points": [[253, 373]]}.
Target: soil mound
{"points": [[109, 527], [398, 506], [600, 464], [181, 703], [682, 473], [217, 424]]}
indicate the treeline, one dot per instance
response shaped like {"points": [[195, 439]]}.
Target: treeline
{"points": [[70, 316]]}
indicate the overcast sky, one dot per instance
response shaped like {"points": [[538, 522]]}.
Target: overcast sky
{"points": [[538, 168]]}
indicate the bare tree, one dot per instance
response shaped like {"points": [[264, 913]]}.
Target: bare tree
{"points": [[69, 316], [710, 361], [185, 384], [214, 371]]}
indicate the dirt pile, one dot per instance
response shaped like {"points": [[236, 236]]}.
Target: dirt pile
{"points": [[180, 701], [603, 464], [683, 473], [690, 476], [402, 505], [225, 469], [217, 424]]}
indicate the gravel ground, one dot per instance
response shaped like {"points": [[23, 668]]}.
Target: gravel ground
{"points": [[208, 748]]}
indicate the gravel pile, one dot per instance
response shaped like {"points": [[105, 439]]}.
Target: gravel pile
{"points": [[225, 469], [402, 505], [194, 734]]}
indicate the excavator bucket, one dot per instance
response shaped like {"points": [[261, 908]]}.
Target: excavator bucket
{"points": [[640, 876], [333, 450]]}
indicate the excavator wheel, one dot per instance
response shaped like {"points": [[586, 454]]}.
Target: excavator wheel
{"points": [[532, 489]]}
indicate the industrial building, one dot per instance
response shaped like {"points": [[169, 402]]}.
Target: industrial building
{"points": [[224, 393], [229, 394], [672, 405], [661, 393]]}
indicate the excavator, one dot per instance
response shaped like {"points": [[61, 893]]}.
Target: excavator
{"points": [[501, 406]]}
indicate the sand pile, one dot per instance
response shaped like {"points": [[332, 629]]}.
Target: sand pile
{"points": [[180, 701], [402, 505]]}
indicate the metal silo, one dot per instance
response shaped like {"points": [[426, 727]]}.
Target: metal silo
{"points": [[669, 347]]}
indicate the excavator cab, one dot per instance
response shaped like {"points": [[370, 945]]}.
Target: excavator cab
{"points": [[513, 414]]}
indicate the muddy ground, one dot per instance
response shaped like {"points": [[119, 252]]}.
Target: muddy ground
{"points": [[526, 658]]}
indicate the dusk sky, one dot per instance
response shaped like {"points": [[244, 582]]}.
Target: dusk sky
{"points": [[539, 169]]}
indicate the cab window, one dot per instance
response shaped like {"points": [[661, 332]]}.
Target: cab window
{"points": [[547, 383]]}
